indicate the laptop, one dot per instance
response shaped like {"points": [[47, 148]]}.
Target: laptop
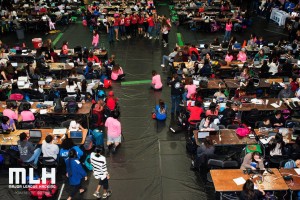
{"points": [[286, 80], [202, 134], [59, 131], [14, 64], [48, 103], [296, 133], [270, 134], [21, 84], [298, 63], [35, 136], [76, 136], [202, 46], [23, 78]]}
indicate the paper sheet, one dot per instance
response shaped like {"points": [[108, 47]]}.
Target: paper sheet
{"points": [[297, 170], [295, 99], [33, 110], [239, 181], [275, 105], [263, 141]]}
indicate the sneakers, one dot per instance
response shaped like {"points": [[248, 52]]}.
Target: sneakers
{"points": [[97, 194], [162, 65], [108, 194]]}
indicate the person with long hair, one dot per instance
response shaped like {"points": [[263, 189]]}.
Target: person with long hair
{"points": [[276, 145], [98, 110], [249, 193], [161, 110], [212, 110], [207, 124], [116, 26], [75, 174], [228, 28], [190, 88], [141, 25], [165, 27], [95, 40], [117, 73], [253, 161], [156, 83]]}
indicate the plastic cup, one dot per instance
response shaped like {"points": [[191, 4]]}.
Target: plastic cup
{"points": [[267, 101]]}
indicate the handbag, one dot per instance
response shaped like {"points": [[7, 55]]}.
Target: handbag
{"points": [[154, 115]]}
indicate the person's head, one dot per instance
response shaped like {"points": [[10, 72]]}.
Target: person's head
{"points": [[67, 143], [297, 163], [243, 50], [116, 114], [246, 70], [49, 138], [26, 106], [11, 105], [175, 49], [255, 156], [198, 103], [154, 73], [277, 114], [208, 142], [65, 42], [111, 93], [207, 56], [95, 32], [70, 81], [99, 150], [116, 67], [261, 52], [266, 121], [212, 107], [72, 153], [5, 120], [23, 136], [73, 125], [248, 188], [228, 104], [209, 119], [206, 46], [91, 54], [229, 53]]}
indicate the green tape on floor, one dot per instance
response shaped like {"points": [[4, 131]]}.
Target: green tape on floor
{"points": [[135, 82], [162, 4], [57, 38], [179, 38]]}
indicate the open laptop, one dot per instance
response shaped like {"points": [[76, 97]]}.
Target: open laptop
{"points": [[271, 133], [196, 82], [48, 103], [23, 78], [21, 84], [203, 134], [35, 136], [201, 46], [14, 64], [76, 136]]}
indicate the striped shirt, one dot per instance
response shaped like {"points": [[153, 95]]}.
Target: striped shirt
{"points": [[99, 166]]}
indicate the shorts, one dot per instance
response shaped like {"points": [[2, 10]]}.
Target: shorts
{"points": [[116, 27], [140, 25], [104, 183], [114, 140]]}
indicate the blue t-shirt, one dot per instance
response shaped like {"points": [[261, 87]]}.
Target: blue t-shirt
{"points": [[8, 126], [160, 115]]}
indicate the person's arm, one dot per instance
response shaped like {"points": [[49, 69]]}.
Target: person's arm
{"points": [[247, 162], [14, 126], [80, 170], [201, 126], [121, 71], [4, 75]]}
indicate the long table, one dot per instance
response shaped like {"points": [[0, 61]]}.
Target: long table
{"points": [[294, 185], [13, 137], [223, 180], [227, 137]]}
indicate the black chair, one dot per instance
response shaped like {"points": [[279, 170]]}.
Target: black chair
{"points": [[275, 160], [291, 123], [26, 125], [232, 126], [221, 164], [257, 124], [282, 163], [66, 123], [49, 162]]}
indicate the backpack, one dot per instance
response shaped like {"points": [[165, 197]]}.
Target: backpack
{"points": [[88, 143], [107, 83], [203, 83], [290, 164], [98, 137], [57, 105], [72, 107], [43, 190], [16, 97], [100, 94], [87, 163], [243, 130]]}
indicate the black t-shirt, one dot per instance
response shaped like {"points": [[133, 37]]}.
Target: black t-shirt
{"points": [[274, 120], [176, 87]]}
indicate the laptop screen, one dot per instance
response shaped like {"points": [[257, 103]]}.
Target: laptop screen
{"points": [[76, 134], [35, 133], [201, 45], [202, 134]]}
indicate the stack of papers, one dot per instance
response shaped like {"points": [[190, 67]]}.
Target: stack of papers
{"points": [[239, 181], [295, 99], [275, 105], [263, 141], [59, 131], [43, 111], [297, 170]]}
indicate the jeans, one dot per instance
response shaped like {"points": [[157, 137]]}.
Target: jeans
{"points": [[111, 34], [184, 98], [165, 58], [150, 28], [175, 103], [35, 156], [122, 30], [227, 36]]}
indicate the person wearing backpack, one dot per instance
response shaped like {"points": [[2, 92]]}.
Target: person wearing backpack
{"points": [[75, 174], [98, 162]]}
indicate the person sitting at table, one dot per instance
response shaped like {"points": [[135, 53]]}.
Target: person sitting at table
{"points": [[252, 40], [88, 72], [3, 73], [253, 161], [178, 57], [28, 153], [260, 56], [266, 123], [245, 73], [264, 70], [242, 56], [286, 92], [8, 124], [156, 83], [273, 67], [54, 56], [277, 119], [212, 110], [216, 42], [161, 110], [170, 57], [229, 57], [111, 101], [71, 86], [207, 124], [74, 126], [92, 58], [11, 111], [193, 50], [26, 114], [260, 41], [294, 84], [49, 149], [206, 69], [249, 193], [228, 115], [64, 48], [74, 74], [98, 110], [15, 89], [66, 145], [205, 51], [195, 112], [276, 145], [219, 95], [190, 88], [117, 73]]}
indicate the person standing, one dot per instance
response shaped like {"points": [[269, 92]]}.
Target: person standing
{"points": [[127, 24], [134, 26], [228, 28], [110, 30], [176, 92], [116, 26], [114, 131], [98, 162], [165, 27], [150, 26], [269, 8], [95, 41], [157, 26], [75, 173]]}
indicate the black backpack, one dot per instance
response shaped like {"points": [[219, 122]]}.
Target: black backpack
{"points": [[72, 107], [57, 105]]}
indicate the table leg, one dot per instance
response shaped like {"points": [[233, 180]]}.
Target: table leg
{"points": [[221, 195], [291, 195]]}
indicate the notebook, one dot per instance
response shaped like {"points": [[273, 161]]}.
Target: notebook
{"points": [[59, 131]]}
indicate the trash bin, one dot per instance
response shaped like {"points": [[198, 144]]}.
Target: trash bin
{"points": [[20, 34], [37, 43]]}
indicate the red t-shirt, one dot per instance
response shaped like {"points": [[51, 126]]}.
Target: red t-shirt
{"points": [[141, 20], [111, 103], [117, 21], [294, 86], [193, 49], [195, 112], [150, 21], [122, 21], [127, 21], [134, 19], [94, 59]]}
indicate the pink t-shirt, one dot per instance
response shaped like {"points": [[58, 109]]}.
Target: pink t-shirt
{"points": [[228, 58], [228, 27], [113, 127], [10, 114], [114, 75], [27, 115], [242, 57], [95, 39], [156, 81], [191, 89]]}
